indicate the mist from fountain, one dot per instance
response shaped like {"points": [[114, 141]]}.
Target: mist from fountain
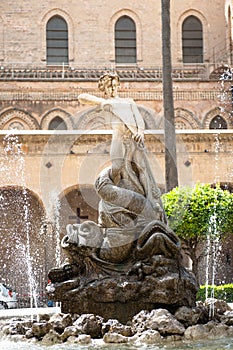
{"points": [[55, 215], [13, 161], [211, 245]]}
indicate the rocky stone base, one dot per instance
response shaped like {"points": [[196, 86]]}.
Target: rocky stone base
{"points": [[147, 327], [121, 301], [122, 297], [123, 312]]}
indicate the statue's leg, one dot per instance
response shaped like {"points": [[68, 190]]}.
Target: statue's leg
{"points": [[130, 200], [116, 155]]}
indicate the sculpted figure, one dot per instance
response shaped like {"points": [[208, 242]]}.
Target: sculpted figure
{"points": [[132, 223], [127, 189], [130, 260]]}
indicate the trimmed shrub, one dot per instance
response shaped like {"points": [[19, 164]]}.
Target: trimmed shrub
{"points": [[223, 292]]}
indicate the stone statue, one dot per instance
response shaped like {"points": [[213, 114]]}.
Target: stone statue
{"points": [[130, 260], [129, 177]]}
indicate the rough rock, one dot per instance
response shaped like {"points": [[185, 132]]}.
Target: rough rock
{"points": [[60, 321], [43, 317], [114, 326], [29, 334], [147, 327], [150, 336], [83, 339], [51, 338], [90, 324], [111, 337], [218, 306], [70, 331], [17, 327], [161, 320], [40, 329], [210, 330], [191, 316], [227, 318]]}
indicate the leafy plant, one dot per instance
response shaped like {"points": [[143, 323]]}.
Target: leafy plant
{"points": [[195, 212]]}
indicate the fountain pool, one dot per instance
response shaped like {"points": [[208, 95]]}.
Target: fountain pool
{"points": [[211, 344]]}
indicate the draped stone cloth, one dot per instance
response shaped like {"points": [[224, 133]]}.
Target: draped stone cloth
{"points": [[135, 196]]}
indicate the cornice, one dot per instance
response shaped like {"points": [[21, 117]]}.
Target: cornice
{"points": [[155, 95]]}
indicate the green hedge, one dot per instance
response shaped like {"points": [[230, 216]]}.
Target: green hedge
{"points": [[224, 292]]}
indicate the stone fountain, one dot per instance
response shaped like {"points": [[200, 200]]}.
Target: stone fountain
{"points": [[130, 260]]}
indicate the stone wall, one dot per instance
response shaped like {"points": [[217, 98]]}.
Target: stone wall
{"points": [[91, 29]]}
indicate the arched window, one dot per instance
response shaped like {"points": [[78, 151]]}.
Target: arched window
{"points": [[125, 41], [192, 40], [218, 123], [57, 41], [57, 123]]}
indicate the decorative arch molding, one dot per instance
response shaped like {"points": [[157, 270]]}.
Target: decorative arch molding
{"points": [[219, 71], [17, 119], [186, 118], [70, 24], [213, 113], [152, 121], [202, 18], [92, 119], [57, 112], [29, 191], [111, 30]]}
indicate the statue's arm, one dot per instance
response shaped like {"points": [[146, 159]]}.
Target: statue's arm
{"points": [[138, 117], [90, 99], [139, 136]]}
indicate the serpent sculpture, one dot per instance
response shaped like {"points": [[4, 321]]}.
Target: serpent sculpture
{"points": [[130, 260]]}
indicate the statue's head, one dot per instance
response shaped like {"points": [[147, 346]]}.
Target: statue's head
{"points": [[87, 234], [109, 83]]}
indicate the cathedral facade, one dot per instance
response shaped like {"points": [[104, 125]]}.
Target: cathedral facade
{"points": [[52, 148]]}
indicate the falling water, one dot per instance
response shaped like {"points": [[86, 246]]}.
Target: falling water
{"points": [[57, 207], [14, 159], [213, 243], [226, 91], [213, 247], [54, 215], [31, 277]]}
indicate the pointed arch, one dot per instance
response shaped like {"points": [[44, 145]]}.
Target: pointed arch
{"points": [[57, 113], [185, 119], [57, 123], [218, 122], [216, 112], [17, 119], [91, 119]]}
